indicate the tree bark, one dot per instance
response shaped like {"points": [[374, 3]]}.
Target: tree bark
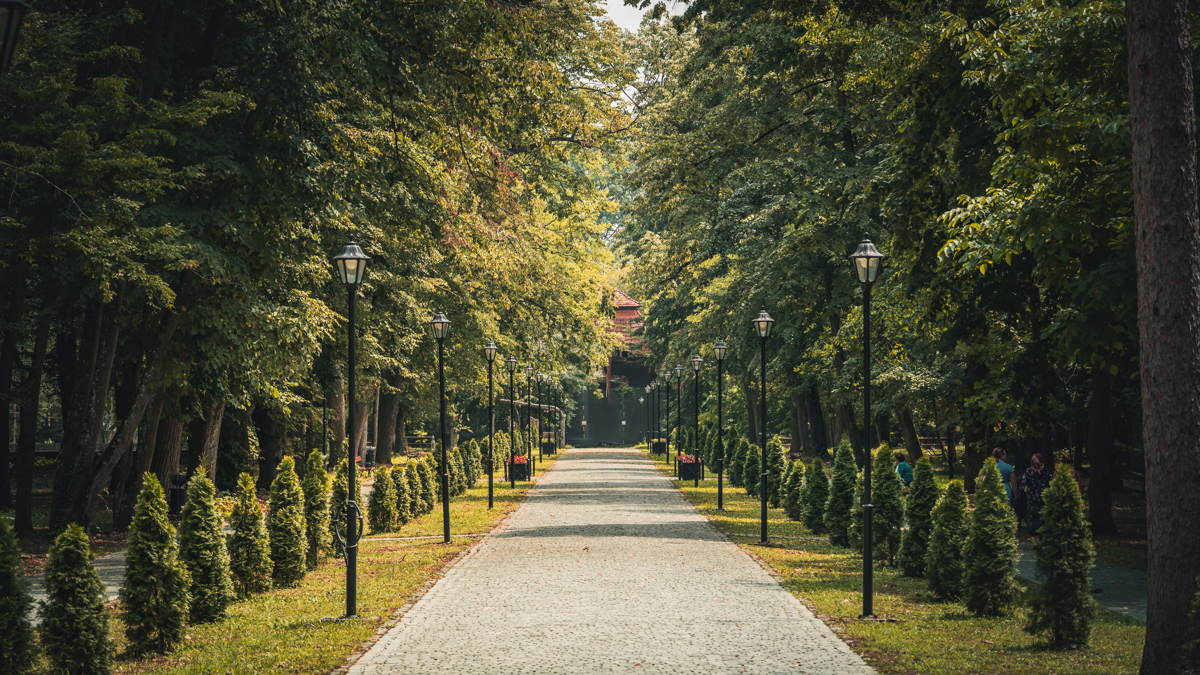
{"points": [[143, 455], [1099, 445], [168, 444], [794, 422], [271, 443], [1162, 122], [27, 439], [751, 388], [816, 417], [211, 436], [360, 433], [909, 431], [75, 416], [389, 409], [337, 405], [8, 360], [402, 429]]}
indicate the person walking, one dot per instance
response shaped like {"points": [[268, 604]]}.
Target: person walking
{"points": [[1007, 472], [1035, 481], [903, 469]]}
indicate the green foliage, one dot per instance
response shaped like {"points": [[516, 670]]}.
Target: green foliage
{"points": [[249, 550], [918, 511], [775, 471], [404, 507], [74, 628], [739, 447], [855, 530], [816, 495], [316, 509], [458, 474], [416, 490], [1062, 603], [429, 484], [889, 506], [841, 495], [473, 462], [338, 517], [155, 597], [752, 471], [944, 560], [202, 550], [381, 505], [285, 527], [16, 634], [793, 503], [990, 554]]}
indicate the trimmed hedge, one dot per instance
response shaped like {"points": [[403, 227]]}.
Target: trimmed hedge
{"points": [[155, 595], [918, 511], [202, 550], [285, 527], [74, 629], [316, 509], [249, 550], [1062, 605], [16, 633], [840, 504], [944, 559]]}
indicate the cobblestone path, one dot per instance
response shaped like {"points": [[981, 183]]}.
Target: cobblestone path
{"points": [[605, 568]]}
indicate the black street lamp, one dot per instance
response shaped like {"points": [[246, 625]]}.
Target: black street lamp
{"points": [[696, 361], [490, 352], [441, 328], [529, 417], [867, 260], [511, 362], [653, 415], [678, 412], [667, 419], [352, 267], [11, 13], [719, 353], [762, 325], [646, 417], [541, 378]]}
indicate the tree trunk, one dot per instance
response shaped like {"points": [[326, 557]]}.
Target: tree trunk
{"points": [[31, 390], [951, 449], [8, 360], [389, 408], [972, 452], [1167, 225], [402, 429], [360, 430], [271, 443], [337, 405], [75, 416], [168, 446], [123, 398], [909, 431], [816, 417], [210, 437], [751, 388], [1099, 445], [143, 455]]}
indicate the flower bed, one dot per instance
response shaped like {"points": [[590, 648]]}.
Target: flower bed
{"points": [[518, 468], [690, 468]]}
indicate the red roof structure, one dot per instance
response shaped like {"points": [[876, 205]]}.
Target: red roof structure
{"points": [[628, 317]]}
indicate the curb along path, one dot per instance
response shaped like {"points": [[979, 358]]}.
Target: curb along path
{"points": [[605, 567]]}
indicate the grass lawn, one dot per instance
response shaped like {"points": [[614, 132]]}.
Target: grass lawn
{"points": [[283, 632], [924, 636]]}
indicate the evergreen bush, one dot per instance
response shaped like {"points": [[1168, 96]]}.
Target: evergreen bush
{"points": [[775, 471], [738, 445], [918, 512], [416, 490], [403, 499], [473, 463], [889, 506], [202, 550], [816, 494], [285, 526], [1062, 604], [840, 503], [429, 484], [337, 504], [249, 550], [990, 554], [854, 531], [458, 472], [316, 509], [793, 503], [752, 471], [16, 633], [944, 559], [155, 596], [381, 505], [74, 628]]}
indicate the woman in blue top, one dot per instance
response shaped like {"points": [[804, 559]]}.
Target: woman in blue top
{"points": [[1034, 483], [1006, 471], [903, 469]]}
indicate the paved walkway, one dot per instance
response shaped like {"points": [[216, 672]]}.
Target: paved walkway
{"points": [[1117, 589], [110, 567], [605, 568]]}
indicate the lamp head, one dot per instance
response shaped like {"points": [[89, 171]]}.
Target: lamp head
{"points": [[762, 324], [352, 264], [11, 13], [441, 326], [719, 350], [511, 362], [867, 260], [490, 351]]}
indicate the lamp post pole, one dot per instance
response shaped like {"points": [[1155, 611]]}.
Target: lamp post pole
{"points": [[667, 419], [512, 412], [441, 328], [696, 361], [490, 352], [352, 265], [529, 418], [541, 414], [678, 412], [867, 259], [719, 352], [762, 324]]}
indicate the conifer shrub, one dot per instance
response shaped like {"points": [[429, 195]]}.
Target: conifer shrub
{"points": [[416, 490], [854, 531], [403, 500], [202, 550], [752, 471], [316, 509], [1062, 604], [434, 461], [458, 474], [155, 596], [338, 517], [918, 512], [816, 494], [473, 462], [429, 484], [944, 559], [889, 506], [16, 633], [249, 550], [74, 628], [381, 505], [775, 471], [841, 495], [793, 503], [736, 459], [990, 554], [285, 527]]}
